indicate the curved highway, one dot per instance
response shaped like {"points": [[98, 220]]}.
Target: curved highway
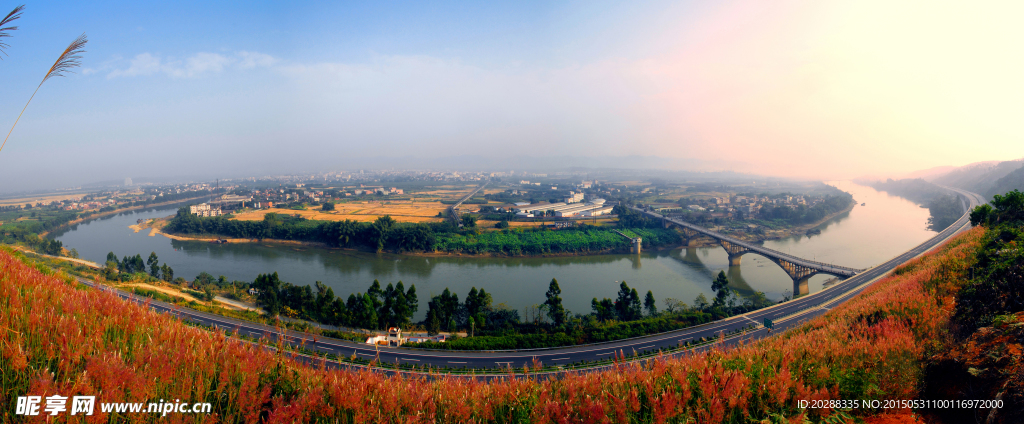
{"points": [[784, 315]]}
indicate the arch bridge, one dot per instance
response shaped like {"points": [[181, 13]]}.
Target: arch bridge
{"points": [[799, 269]]}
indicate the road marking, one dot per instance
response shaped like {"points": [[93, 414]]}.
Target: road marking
{"points": [[372, 356], [606, 353], [560, 359], [644, 347], [455, 362], [407, 359], [748, 318]]}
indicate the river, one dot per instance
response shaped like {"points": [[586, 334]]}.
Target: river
{"points": [[865, 236]]}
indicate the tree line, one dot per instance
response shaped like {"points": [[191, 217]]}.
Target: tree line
{"points": [[377, 309], [385, 233]]}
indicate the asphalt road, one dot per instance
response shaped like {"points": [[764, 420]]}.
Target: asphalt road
{"points": [[784, 316]]}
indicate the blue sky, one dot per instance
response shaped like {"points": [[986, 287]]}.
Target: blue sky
{"points": [[258, 88]]}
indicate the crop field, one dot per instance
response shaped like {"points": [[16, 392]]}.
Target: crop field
{"points": [[362, 212], [45, 199]]}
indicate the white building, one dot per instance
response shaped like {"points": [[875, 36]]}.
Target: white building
{"points": [[205, 210], [574, 197]]}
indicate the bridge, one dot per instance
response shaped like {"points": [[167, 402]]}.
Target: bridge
{"points": [[799, 269], [453, 210]]}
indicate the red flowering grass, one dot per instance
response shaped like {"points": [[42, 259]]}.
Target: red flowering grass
{"points": [[59, 338]]}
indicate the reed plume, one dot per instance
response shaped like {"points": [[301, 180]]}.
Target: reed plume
{"points": [[67, 61], [11, 17]]}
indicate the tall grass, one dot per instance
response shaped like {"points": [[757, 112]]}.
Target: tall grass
{"points": [[5, 30], [60, 338], [68, 60]]}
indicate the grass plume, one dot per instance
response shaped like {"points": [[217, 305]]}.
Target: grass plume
{"points": [[70, 59], [4, 29]]}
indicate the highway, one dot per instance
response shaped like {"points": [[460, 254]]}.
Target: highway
{"points": [[784, 316]]}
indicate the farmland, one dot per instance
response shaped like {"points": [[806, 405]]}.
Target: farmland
{"points": [[362, 212]]}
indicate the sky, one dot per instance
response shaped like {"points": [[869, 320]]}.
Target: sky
{"points": [[804, 89]]}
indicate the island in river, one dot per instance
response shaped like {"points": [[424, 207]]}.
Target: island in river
{"points": [[444, 238]]}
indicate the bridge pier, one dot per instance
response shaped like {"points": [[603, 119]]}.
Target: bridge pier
{"points": [[800, 286], [637, 244], [734, 260]]}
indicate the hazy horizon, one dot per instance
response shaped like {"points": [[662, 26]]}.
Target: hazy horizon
{"points": [[810, 90]]}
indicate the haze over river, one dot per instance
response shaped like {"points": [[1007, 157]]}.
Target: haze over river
{"points": [[865, 236]]}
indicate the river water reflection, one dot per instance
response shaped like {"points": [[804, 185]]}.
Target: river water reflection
{"points": [[865, 236]]}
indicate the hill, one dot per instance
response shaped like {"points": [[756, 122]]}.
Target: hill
{"points": [[1012, 181], [65, 339], [978, 177]]}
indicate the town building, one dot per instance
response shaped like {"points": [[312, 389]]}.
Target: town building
{"points": [[204, 210]]}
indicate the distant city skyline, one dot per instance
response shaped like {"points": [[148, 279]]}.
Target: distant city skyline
{"points": [[799, 89]]}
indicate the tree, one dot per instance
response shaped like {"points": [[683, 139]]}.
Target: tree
{"points": [[154, 265], [324, 300], [167, 273], [468, 221], [700, 303], [650, 305], [627, 304], [110, 270], [1004, 208], [554, 303], [721, 287], [673, 305], [376, 296], [328, 206], [111, 257], [269, 287], [270, 222], [380, 229], [603, 309]]}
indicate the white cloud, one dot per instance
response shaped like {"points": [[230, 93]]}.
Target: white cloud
{"points": [[143, 64], [249, 60], [197, 65]]}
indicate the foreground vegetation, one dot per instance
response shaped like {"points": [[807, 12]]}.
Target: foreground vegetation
{"points": [[65, 339]]}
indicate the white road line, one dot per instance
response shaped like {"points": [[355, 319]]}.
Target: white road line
{"points": [[407, 359], [644, 347], [748, 318], [560, 359], [606, 353], [455, 362]]}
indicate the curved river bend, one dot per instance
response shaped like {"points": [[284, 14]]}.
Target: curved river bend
{"points": [[865, 236]]}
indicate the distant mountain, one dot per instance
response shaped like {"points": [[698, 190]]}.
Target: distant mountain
{"points": [[979, 177], [1012, 181], [930, 173]]}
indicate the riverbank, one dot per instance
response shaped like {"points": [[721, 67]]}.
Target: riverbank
{"points": [[117, 211]]}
